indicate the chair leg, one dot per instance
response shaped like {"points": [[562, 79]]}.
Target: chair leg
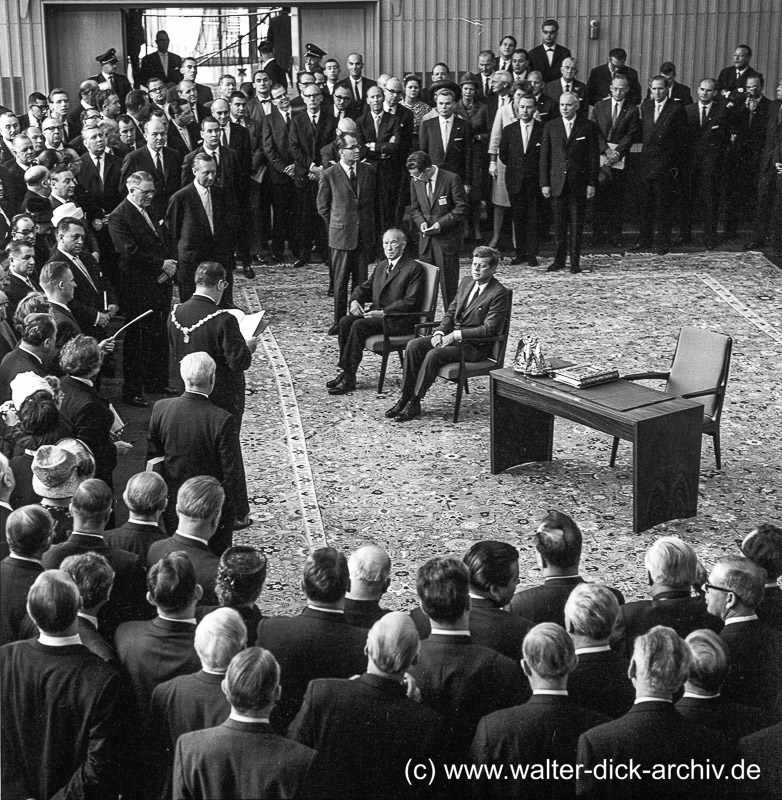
{"points": [[614, 448], [401, 355], [458, 403], [466, 386], [381, 380], [717, 453]]}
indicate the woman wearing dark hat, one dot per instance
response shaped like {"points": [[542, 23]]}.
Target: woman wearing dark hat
{"points": [[240, 579], [472, 109]]}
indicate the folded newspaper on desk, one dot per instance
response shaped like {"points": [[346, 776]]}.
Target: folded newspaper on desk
{"points": [[583, 375]]}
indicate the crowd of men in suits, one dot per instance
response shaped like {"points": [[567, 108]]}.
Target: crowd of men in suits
{"points": [[349, 699]]}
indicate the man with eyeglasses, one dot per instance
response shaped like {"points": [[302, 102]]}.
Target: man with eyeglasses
{"points": [[734, 590], [343, 105], [309, 133], [146, 280], [346, 202], [156, 158], [37, 110], [156, 90], [276, 147], [548, 56], [303, 79], [52, 132]]}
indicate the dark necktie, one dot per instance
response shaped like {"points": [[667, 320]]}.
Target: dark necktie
{"points": [[353, 182], [98, 160], [314, 121], [224, 138], [615, 114], [159, 167], [567, 87], [703, 116]]}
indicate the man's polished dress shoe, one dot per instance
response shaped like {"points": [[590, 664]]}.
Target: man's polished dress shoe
{"points": [[411, 411], [347, 385], [575, 270], [136, 402], [300, 262], [532, 261], [335, 381], [241, 524], [554, 267], [249, 272], [397, 408], [333, 330]]}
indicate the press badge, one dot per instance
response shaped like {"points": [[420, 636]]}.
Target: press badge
{"points": [[444, 200]]}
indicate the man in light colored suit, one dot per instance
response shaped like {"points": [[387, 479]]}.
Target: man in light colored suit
{"points": [[438, 206], [396, 286], [346, 202], [478, 311], [569, 163]]}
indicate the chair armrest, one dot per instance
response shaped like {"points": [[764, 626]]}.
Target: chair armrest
{"points": [[401, 314], [645, 376], [424, 325], [481, 340], [703, 393]]}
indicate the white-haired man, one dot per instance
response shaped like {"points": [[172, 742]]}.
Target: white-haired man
{"points": [[369, 568]]}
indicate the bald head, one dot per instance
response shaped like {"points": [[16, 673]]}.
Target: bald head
{"points": [[392, 645], [369, 568], [347, 125]]}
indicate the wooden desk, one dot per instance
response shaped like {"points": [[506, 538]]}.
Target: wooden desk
{"points": [[665, 432]]}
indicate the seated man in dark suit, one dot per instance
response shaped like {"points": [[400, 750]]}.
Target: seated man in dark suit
{"points": [[672, 568], [702, 701], [733, 592], [91, 509], [28, 531], [370, 570], [146, 496], [763, 546], [199, 505], [366, 730], [479, 309], [494, 576], [558, 544], [543, 730], [93, 577], [63, 722], [763, 748], [195, 701], [243, 757], [461, 680], [396, 287], [653, 733], [600, 680], [319, 643]]}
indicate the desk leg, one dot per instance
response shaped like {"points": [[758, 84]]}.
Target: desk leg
{"points": [[666, 468], [518, 434]]}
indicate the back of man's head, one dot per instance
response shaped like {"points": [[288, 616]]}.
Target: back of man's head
{"points": [[91, 502], [171, 582], [490, 563], [240, 576], [549, 651], [744, 578], [53, 602], [709, 665], [200, 498], [252, 679], [145, 494], [591, 611], [209, 273], [92, 575], [763, 546], [661, 661], [219, 636], [28, 530], [370, 568], [671, 562], [197, 370], [392, 643], [37, 329], [443, 588], [325, 578], [558, 540]]}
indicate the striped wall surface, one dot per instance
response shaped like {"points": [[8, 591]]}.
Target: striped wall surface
{"points": [[698, 35]]}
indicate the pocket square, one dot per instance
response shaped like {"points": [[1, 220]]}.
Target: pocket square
{"points": [[715, 127], [580, 138]]}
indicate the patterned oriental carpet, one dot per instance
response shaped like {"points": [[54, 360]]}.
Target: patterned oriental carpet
{"points": [[334, 470]]}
